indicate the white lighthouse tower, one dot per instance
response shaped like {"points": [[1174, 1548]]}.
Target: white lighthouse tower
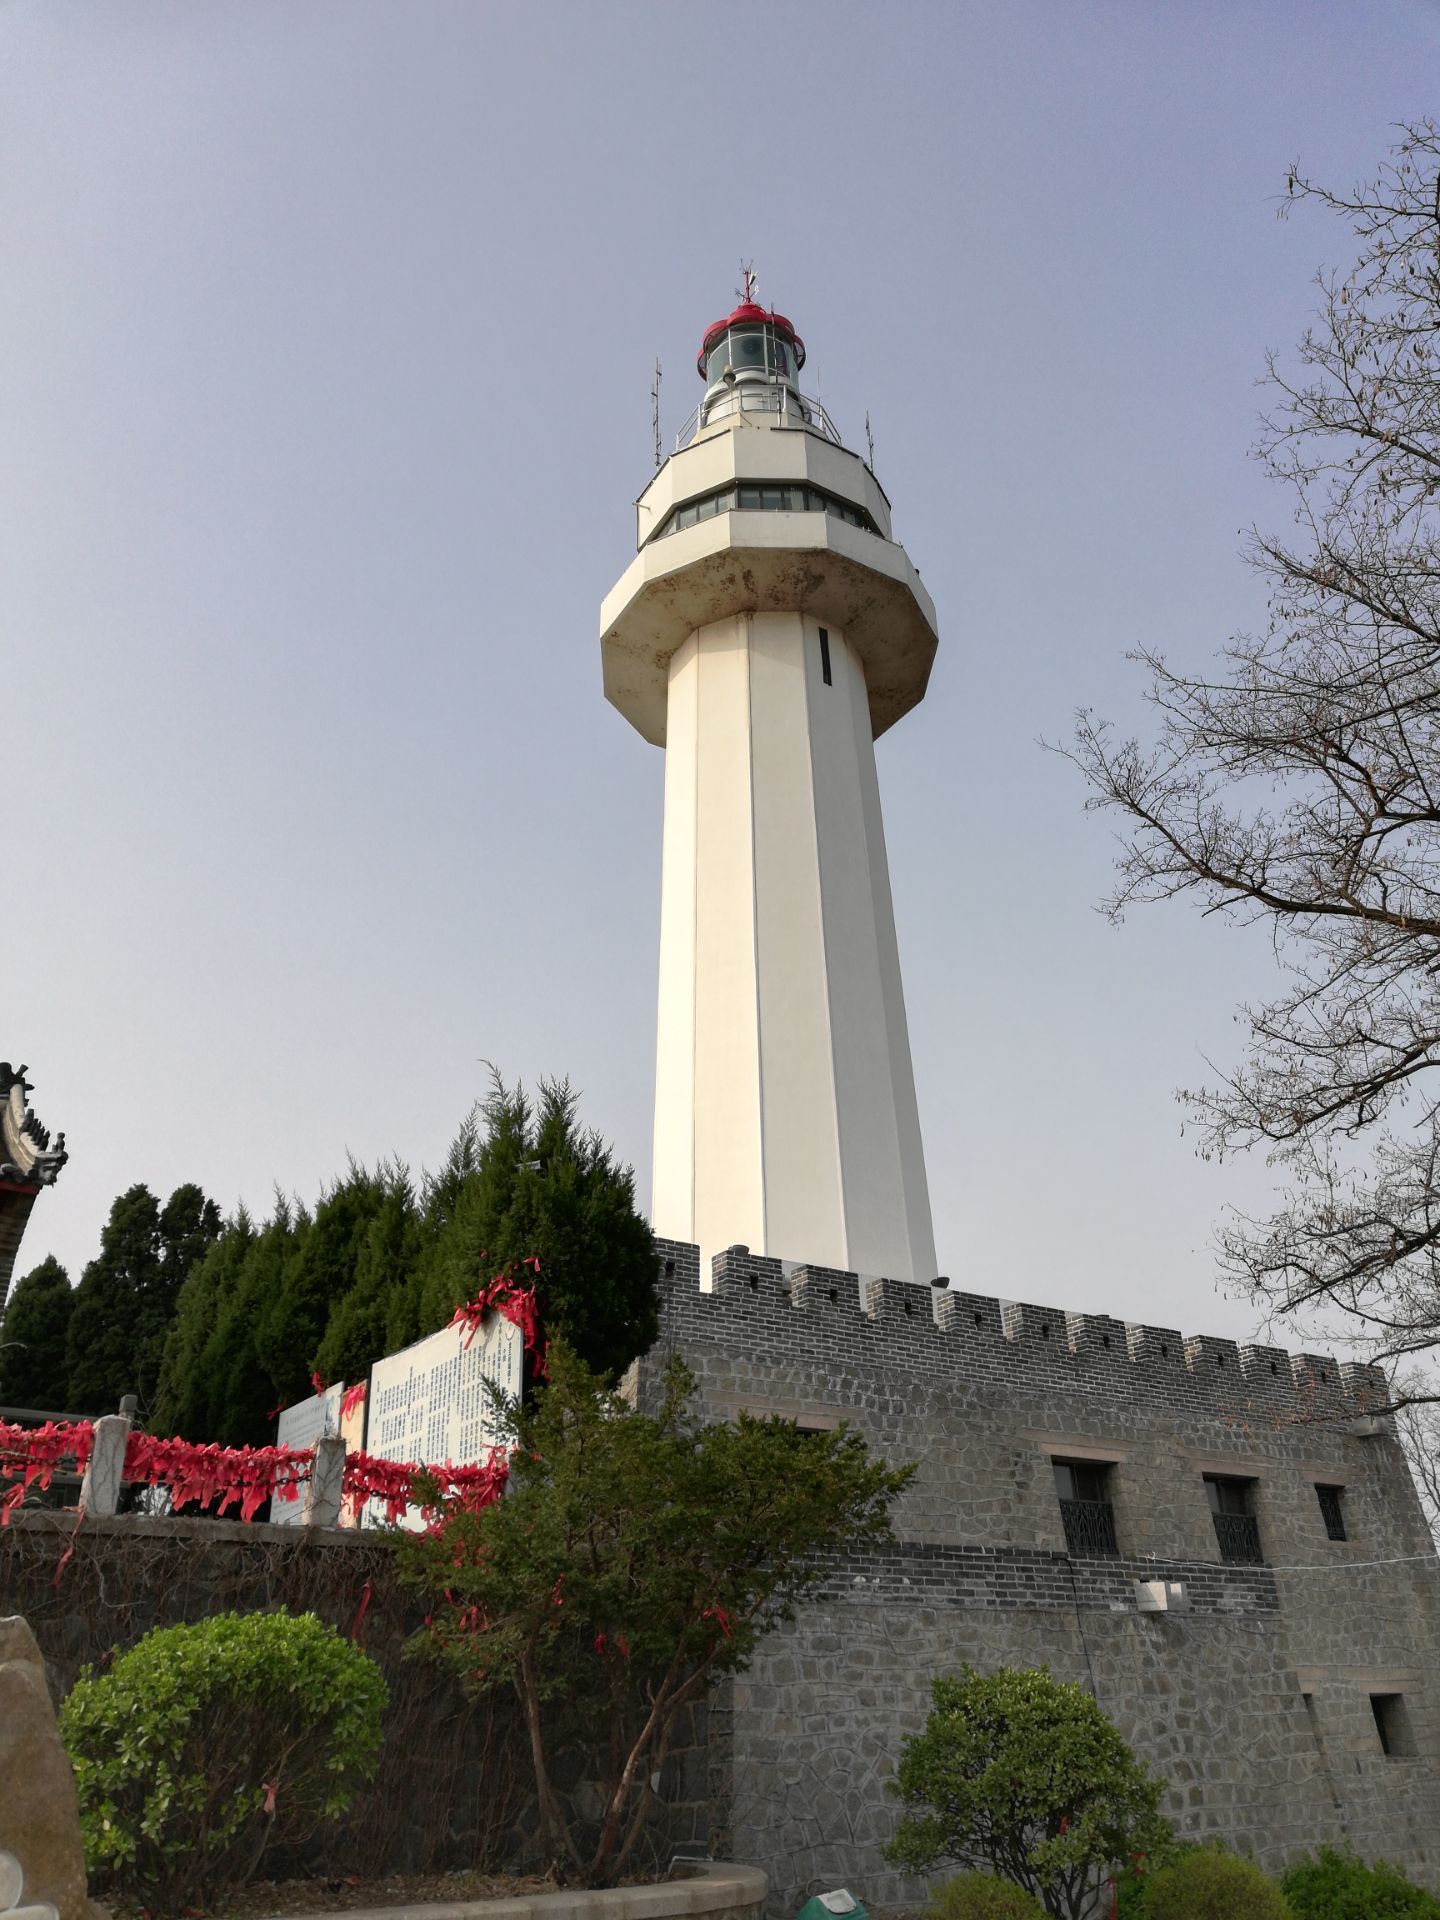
{"points": [[767, 632]]}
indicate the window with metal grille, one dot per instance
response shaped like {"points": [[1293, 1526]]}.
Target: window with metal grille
{"points": [[1236, 1528], [1086, 1512], [1331, 1512]]}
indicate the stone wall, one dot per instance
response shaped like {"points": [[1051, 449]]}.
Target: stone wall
{"points": [[1254, 1703], [454, 1786]]}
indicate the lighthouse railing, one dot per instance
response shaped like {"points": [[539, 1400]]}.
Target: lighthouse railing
{"points": [[795, 410]]}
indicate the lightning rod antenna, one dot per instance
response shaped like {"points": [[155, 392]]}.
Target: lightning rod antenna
{"points": [[655, 413], [869, 440]]}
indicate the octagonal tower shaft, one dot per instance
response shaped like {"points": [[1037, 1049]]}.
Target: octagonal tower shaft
{"points": [[767, 630]]}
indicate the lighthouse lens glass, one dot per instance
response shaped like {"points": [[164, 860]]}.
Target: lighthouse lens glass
{"points": [[747, 349], [750, 349]]}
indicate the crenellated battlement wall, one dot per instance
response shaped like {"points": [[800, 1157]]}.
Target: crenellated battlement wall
{"points": [[943, 1330]]}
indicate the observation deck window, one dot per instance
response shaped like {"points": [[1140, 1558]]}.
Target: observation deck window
{"points": [[763, 499]]}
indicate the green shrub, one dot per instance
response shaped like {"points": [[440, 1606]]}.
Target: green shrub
{"points": [[1132, 1878], [1338, 1886], [1206, 1884], [980, 1896], [1021, 1772], [204, 1744]]}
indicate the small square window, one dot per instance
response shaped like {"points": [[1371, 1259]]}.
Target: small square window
{"points": [[1392, 1723], [1331, 1512], [1081, 1479]]}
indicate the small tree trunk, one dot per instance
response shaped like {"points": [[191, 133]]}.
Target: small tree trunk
{"points": [[557, 1827], [642, 1811], [660, 1707]]}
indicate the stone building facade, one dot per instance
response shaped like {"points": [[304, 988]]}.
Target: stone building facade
{"points": [[1290, 1689]]}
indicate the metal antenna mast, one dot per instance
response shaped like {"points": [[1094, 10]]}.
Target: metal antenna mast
{"points": [[655, 413]]}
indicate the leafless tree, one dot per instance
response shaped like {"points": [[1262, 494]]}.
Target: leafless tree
{"points": [[1299, 785], [1419, 1428]]}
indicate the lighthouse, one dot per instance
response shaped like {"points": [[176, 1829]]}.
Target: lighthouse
{"points": [[767, 632]]}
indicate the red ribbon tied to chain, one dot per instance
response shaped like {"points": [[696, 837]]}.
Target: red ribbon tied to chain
{"points": [[34, 1453]]}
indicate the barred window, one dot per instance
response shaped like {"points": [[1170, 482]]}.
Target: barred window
{"points": [[1237, 1531], [1086, 1512]]}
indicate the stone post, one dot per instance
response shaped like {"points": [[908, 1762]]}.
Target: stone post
{"points": [[327, 1483], [100, 1489]]}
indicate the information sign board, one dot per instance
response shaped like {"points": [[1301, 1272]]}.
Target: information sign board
{"points": [[301, 1426], [431, 1402]]}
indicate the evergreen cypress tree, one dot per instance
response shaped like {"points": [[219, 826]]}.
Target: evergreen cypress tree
{"points": [[542, 1184], [33, 1370], [243, 1391], [126, 1297], [102, 1338], [189, 1227], [319, 1271], [377, 1266], [355, 1335], [185, 1395]]}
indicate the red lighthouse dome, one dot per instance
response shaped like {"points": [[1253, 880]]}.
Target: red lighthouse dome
{"points": [[753, 321]]}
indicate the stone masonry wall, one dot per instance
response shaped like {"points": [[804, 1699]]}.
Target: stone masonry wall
{"points": [[1254, 1703], [454, 1788]]}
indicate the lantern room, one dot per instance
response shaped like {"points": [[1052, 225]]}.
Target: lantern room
{"points": [[750, 361]]}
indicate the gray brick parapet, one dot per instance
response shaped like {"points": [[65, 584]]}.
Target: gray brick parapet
{"points": [[934, 1330]]}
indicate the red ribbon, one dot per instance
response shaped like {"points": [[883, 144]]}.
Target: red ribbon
{"points": [[513, 1302], [721, 1619], [365, 1594], [35, 1452]]}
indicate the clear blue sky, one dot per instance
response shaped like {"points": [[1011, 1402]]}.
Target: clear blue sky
{"points": [[326, 333]]}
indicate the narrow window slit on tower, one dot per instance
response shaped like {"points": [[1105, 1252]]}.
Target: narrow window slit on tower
{"points": [[1392, 1723], [825, 656], [1332, 1512]]}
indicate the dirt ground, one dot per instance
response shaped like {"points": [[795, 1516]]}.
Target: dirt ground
{"points": [[264, 1897]]}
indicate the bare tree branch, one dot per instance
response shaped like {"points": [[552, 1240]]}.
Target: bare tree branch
{"points": [[1298, 784]]}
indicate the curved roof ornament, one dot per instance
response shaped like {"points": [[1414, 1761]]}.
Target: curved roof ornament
{"points": [[27, 1153], [29, 1160]]}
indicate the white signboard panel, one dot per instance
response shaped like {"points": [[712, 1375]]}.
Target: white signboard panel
{"points": [[301, 1426], [431, 1403]]}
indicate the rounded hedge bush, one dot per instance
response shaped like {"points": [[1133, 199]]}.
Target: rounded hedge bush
{"points": [[1338, 1886], [1209, 1885], [980, 1896], [203, 1744]]}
